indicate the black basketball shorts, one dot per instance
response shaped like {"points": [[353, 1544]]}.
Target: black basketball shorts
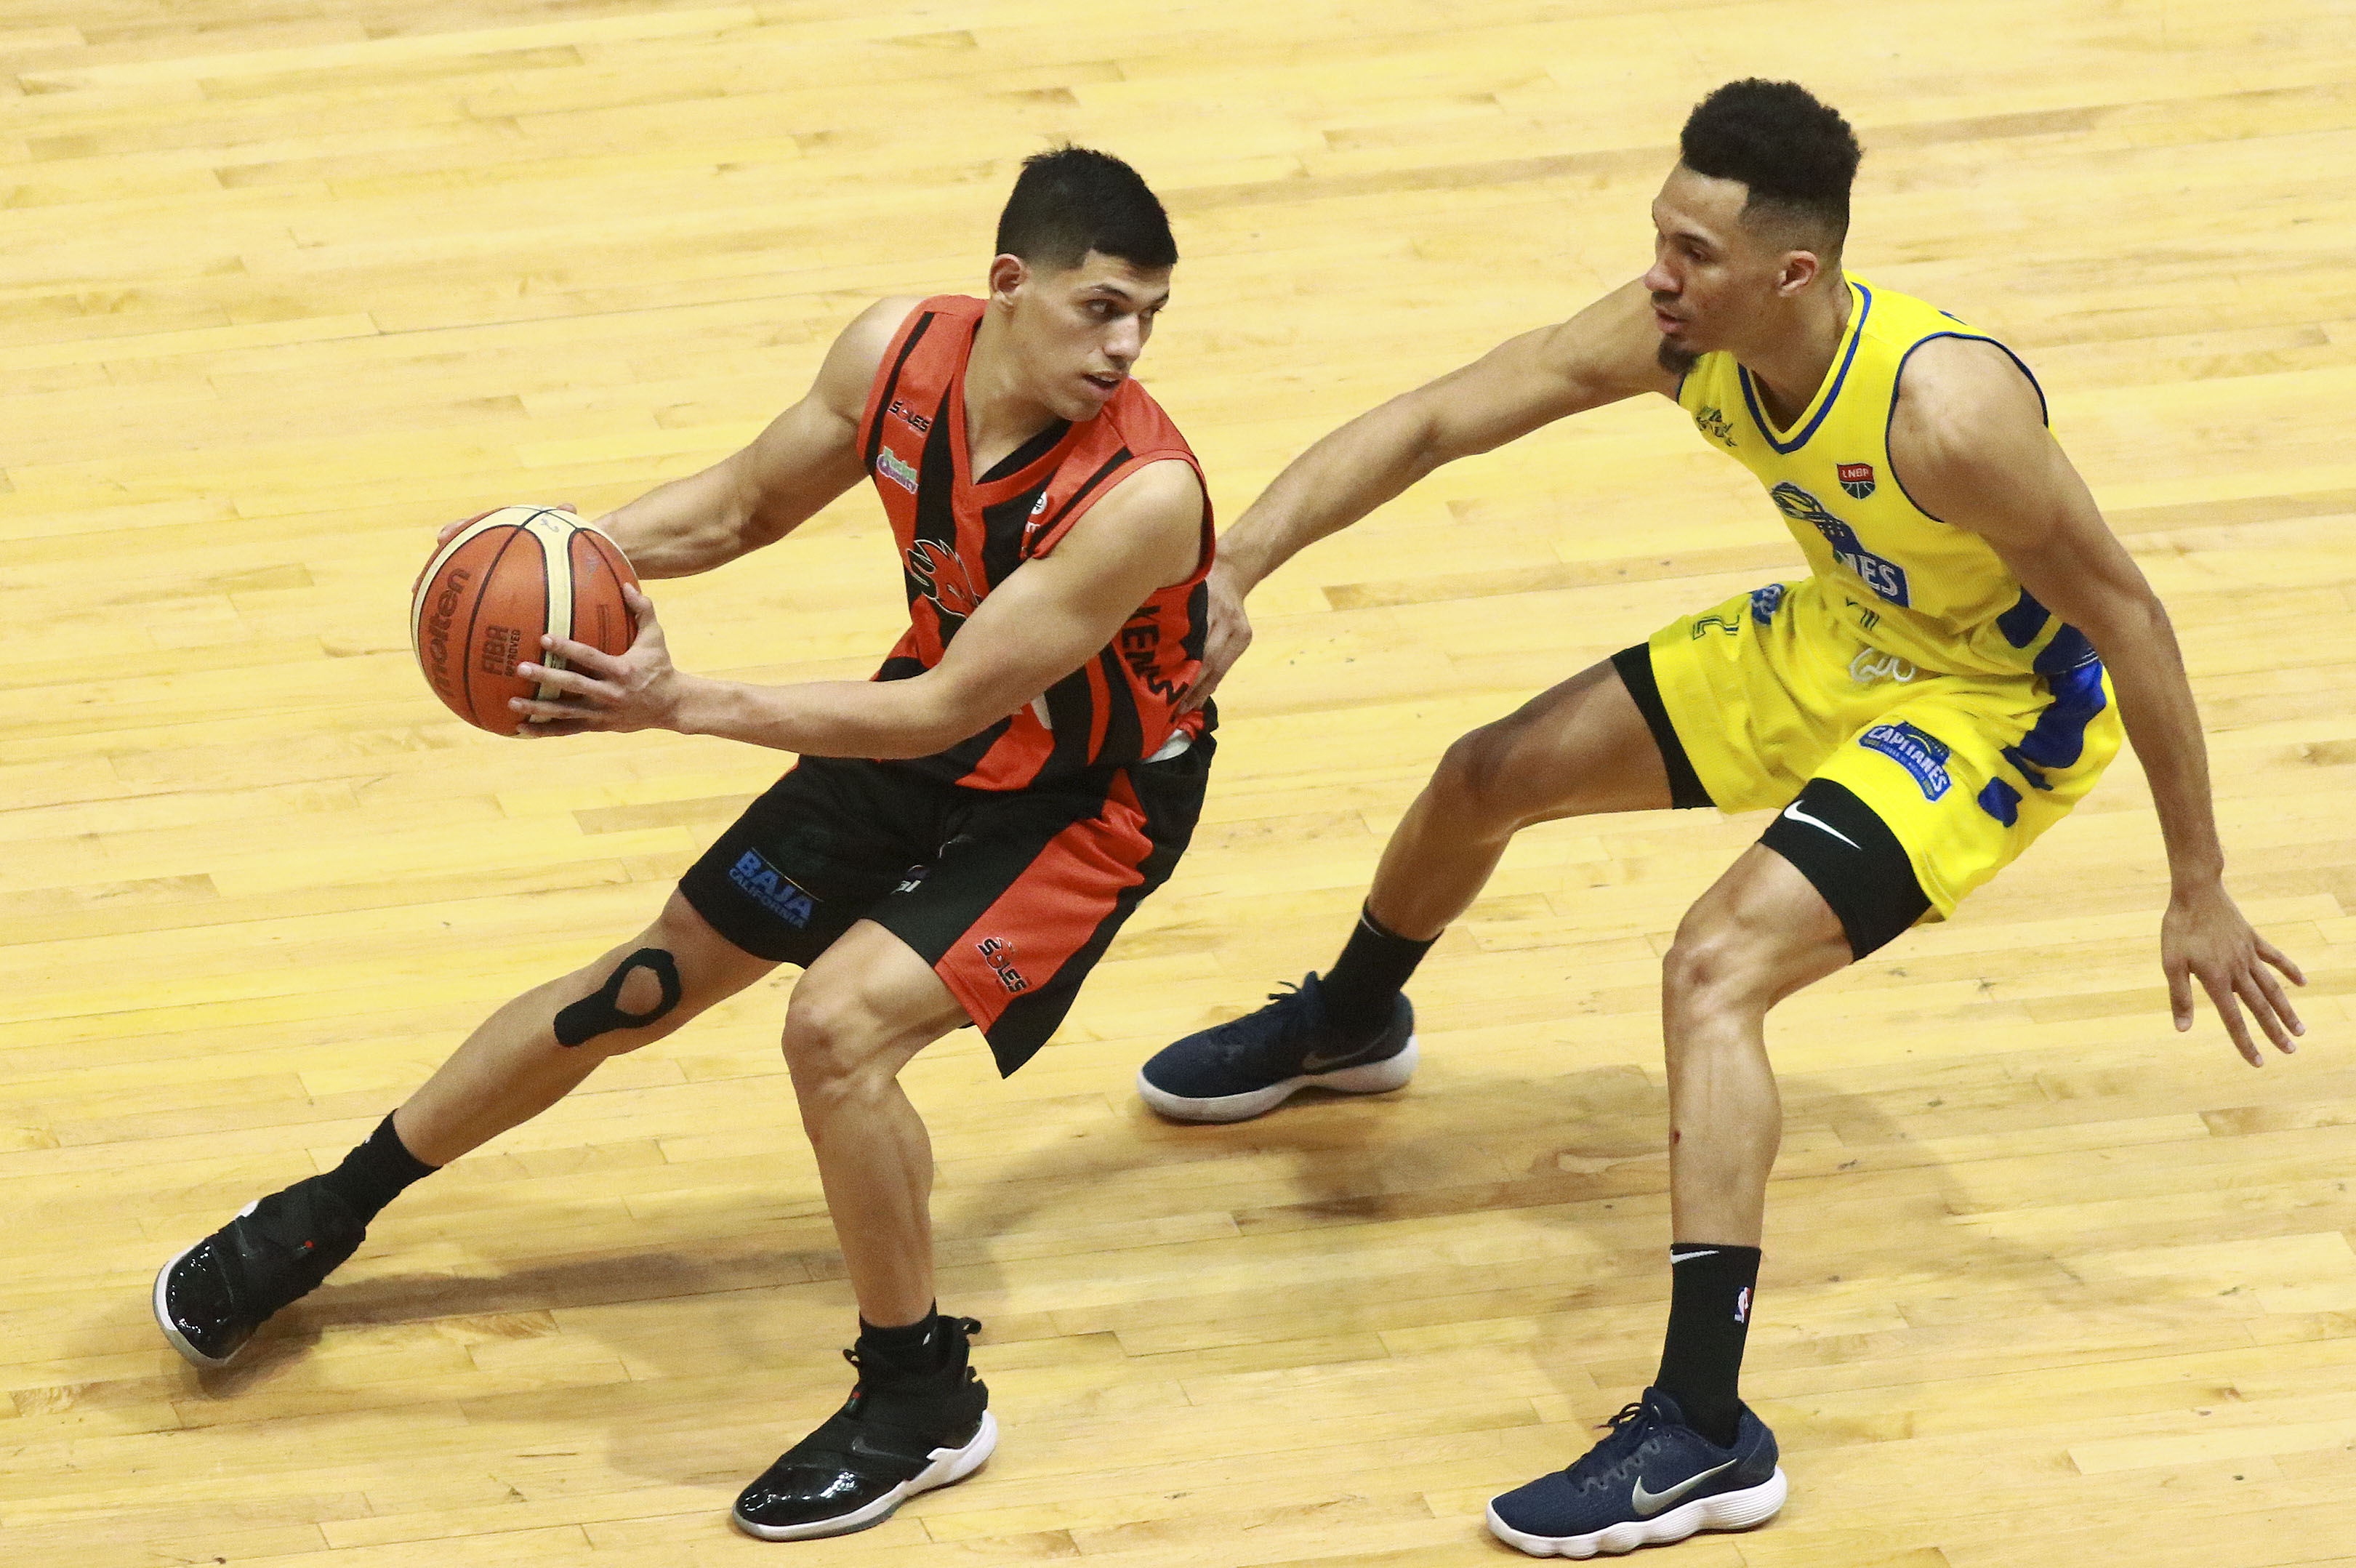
{"points": [[1012, 896]]}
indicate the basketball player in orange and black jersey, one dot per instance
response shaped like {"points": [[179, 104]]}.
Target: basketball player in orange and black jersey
{"points": [[960, 841]]}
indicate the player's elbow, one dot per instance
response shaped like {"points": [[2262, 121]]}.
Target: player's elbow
{"points": [[2122, 622]]}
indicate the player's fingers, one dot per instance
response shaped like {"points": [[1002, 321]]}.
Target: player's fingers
{"points": [[640, 606], [2180, 995], [579, 655], [2281, 960], [546, 716], [2271, 1002], [450, 530], [2228, 1010], [564, 680]]}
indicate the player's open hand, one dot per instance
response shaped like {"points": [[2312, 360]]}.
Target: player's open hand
{"points": [[1229, 634], [2204, 938], [632, 691]]}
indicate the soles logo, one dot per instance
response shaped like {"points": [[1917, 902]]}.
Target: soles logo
{"points": [[999, 954], [772, 889]]}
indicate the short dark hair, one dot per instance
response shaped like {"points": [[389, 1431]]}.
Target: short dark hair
{"points": [[1071, 201], [1796, 154]]}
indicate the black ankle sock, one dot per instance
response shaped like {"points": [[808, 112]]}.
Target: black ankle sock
{"points": [[1709, 1317], [1375, 964], [924, 1345], [375, 1173]]}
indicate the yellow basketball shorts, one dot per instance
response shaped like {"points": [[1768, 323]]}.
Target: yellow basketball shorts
{"points": [[1775, 700]]}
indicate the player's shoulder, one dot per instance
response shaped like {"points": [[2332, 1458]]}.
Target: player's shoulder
{"points": [[857, 355], [1135, 421], [1958, 392], [871, 332]]}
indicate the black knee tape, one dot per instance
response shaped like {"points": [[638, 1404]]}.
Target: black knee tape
{"points": [[602, 1013]]}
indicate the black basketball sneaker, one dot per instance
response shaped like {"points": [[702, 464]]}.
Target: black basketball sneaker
{"points": [[210, 1298], [1253, 1064], [898, 1435]]}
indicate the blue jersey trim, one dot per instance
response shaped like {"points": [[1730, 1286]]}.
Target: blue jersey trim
{"points": [[2044, 410], [1759, 415], [2021, 623]]}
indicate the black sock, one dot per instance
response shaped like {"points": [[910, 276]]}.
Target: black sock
{"points": [[1709, 1317], [1375, 964], [918, 1347], [375, 1173]]}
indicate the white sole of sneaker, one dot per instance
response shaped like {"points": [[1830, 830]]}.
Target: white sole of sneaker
{"points": [[949, 1465], [1375, 1078], [164, 1319], [1745, 1509]]}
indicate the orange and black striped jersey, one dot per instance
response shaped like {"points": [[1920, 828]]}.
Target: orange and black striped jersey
{"points": [[961, 534]]}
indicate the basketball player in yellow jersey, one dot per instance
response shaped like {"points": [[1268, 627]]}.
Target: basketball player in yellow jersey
{"points": [[1950, 678]]}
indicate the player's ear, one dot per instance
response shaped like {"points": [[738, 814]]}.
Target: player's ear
{"points": [[1800, 269], [1007, 276]]}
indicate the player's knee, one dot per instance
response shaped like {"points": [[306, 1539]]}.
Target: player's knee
{"points": [[1475, 776], [1719, 961], [832, 1043], [637, 1001]]}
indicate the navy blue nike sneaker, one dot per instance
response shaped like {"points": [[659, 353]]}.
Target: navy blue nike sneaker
{"points": [[898, 1435], [1651, 1480], [1253, 1064]]}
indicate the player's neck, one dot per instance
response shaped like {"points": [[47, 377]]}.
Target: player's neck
{"points": [[999, 414], [1790, 365]]}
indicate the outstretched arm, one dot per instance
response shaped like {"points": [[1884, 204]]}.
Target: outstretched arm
{"points": [[1607, 352], [807, 457], [1969, 439], [1047, 618]]}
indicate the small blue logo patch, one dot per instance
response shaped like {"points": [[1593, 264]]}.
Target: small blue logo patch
{"points": [[1765, 602], [773, 890], [1923, 755]]}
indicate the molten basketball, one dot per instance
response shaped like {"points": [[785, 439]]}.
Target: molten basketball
{"points": [[486, 598]]}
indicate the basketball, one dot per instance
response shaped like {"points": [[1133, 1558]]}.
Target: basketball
{"points": [[486, 598]]}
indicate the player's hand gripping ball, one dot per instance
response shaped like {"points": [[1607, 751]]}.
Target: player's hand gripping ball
{"points": [[500, 584]]}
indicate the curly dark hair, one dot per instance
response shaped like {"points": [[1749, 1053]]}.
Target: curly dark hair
{"points": [[1796, 154], [1071, 201]]}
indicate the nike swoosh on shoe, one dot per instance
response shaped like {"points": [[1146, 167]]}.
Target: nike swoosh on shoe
{"points": [[1647, 1504], [1317, 1061]]}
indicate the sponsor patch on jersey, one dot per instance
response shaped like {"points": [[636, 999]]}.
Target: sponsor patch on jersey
{"points": [[1924, 755], [772, 889], [999, 954], [1885, 577], [1856, 478], [1717, 426], [890, 464], [1765, 602]]}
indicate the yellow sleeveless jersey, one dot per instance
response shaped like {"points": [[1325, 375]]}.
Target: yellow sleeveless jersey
{"points": [[1930, 593]]}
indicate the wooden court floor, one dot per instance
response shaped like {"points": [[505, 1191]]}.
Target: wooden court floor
{"points": [[285, 284]]}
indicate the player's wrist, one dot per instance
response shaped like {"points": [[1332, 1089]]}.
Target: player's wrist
{"points": [[694, 704]]}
